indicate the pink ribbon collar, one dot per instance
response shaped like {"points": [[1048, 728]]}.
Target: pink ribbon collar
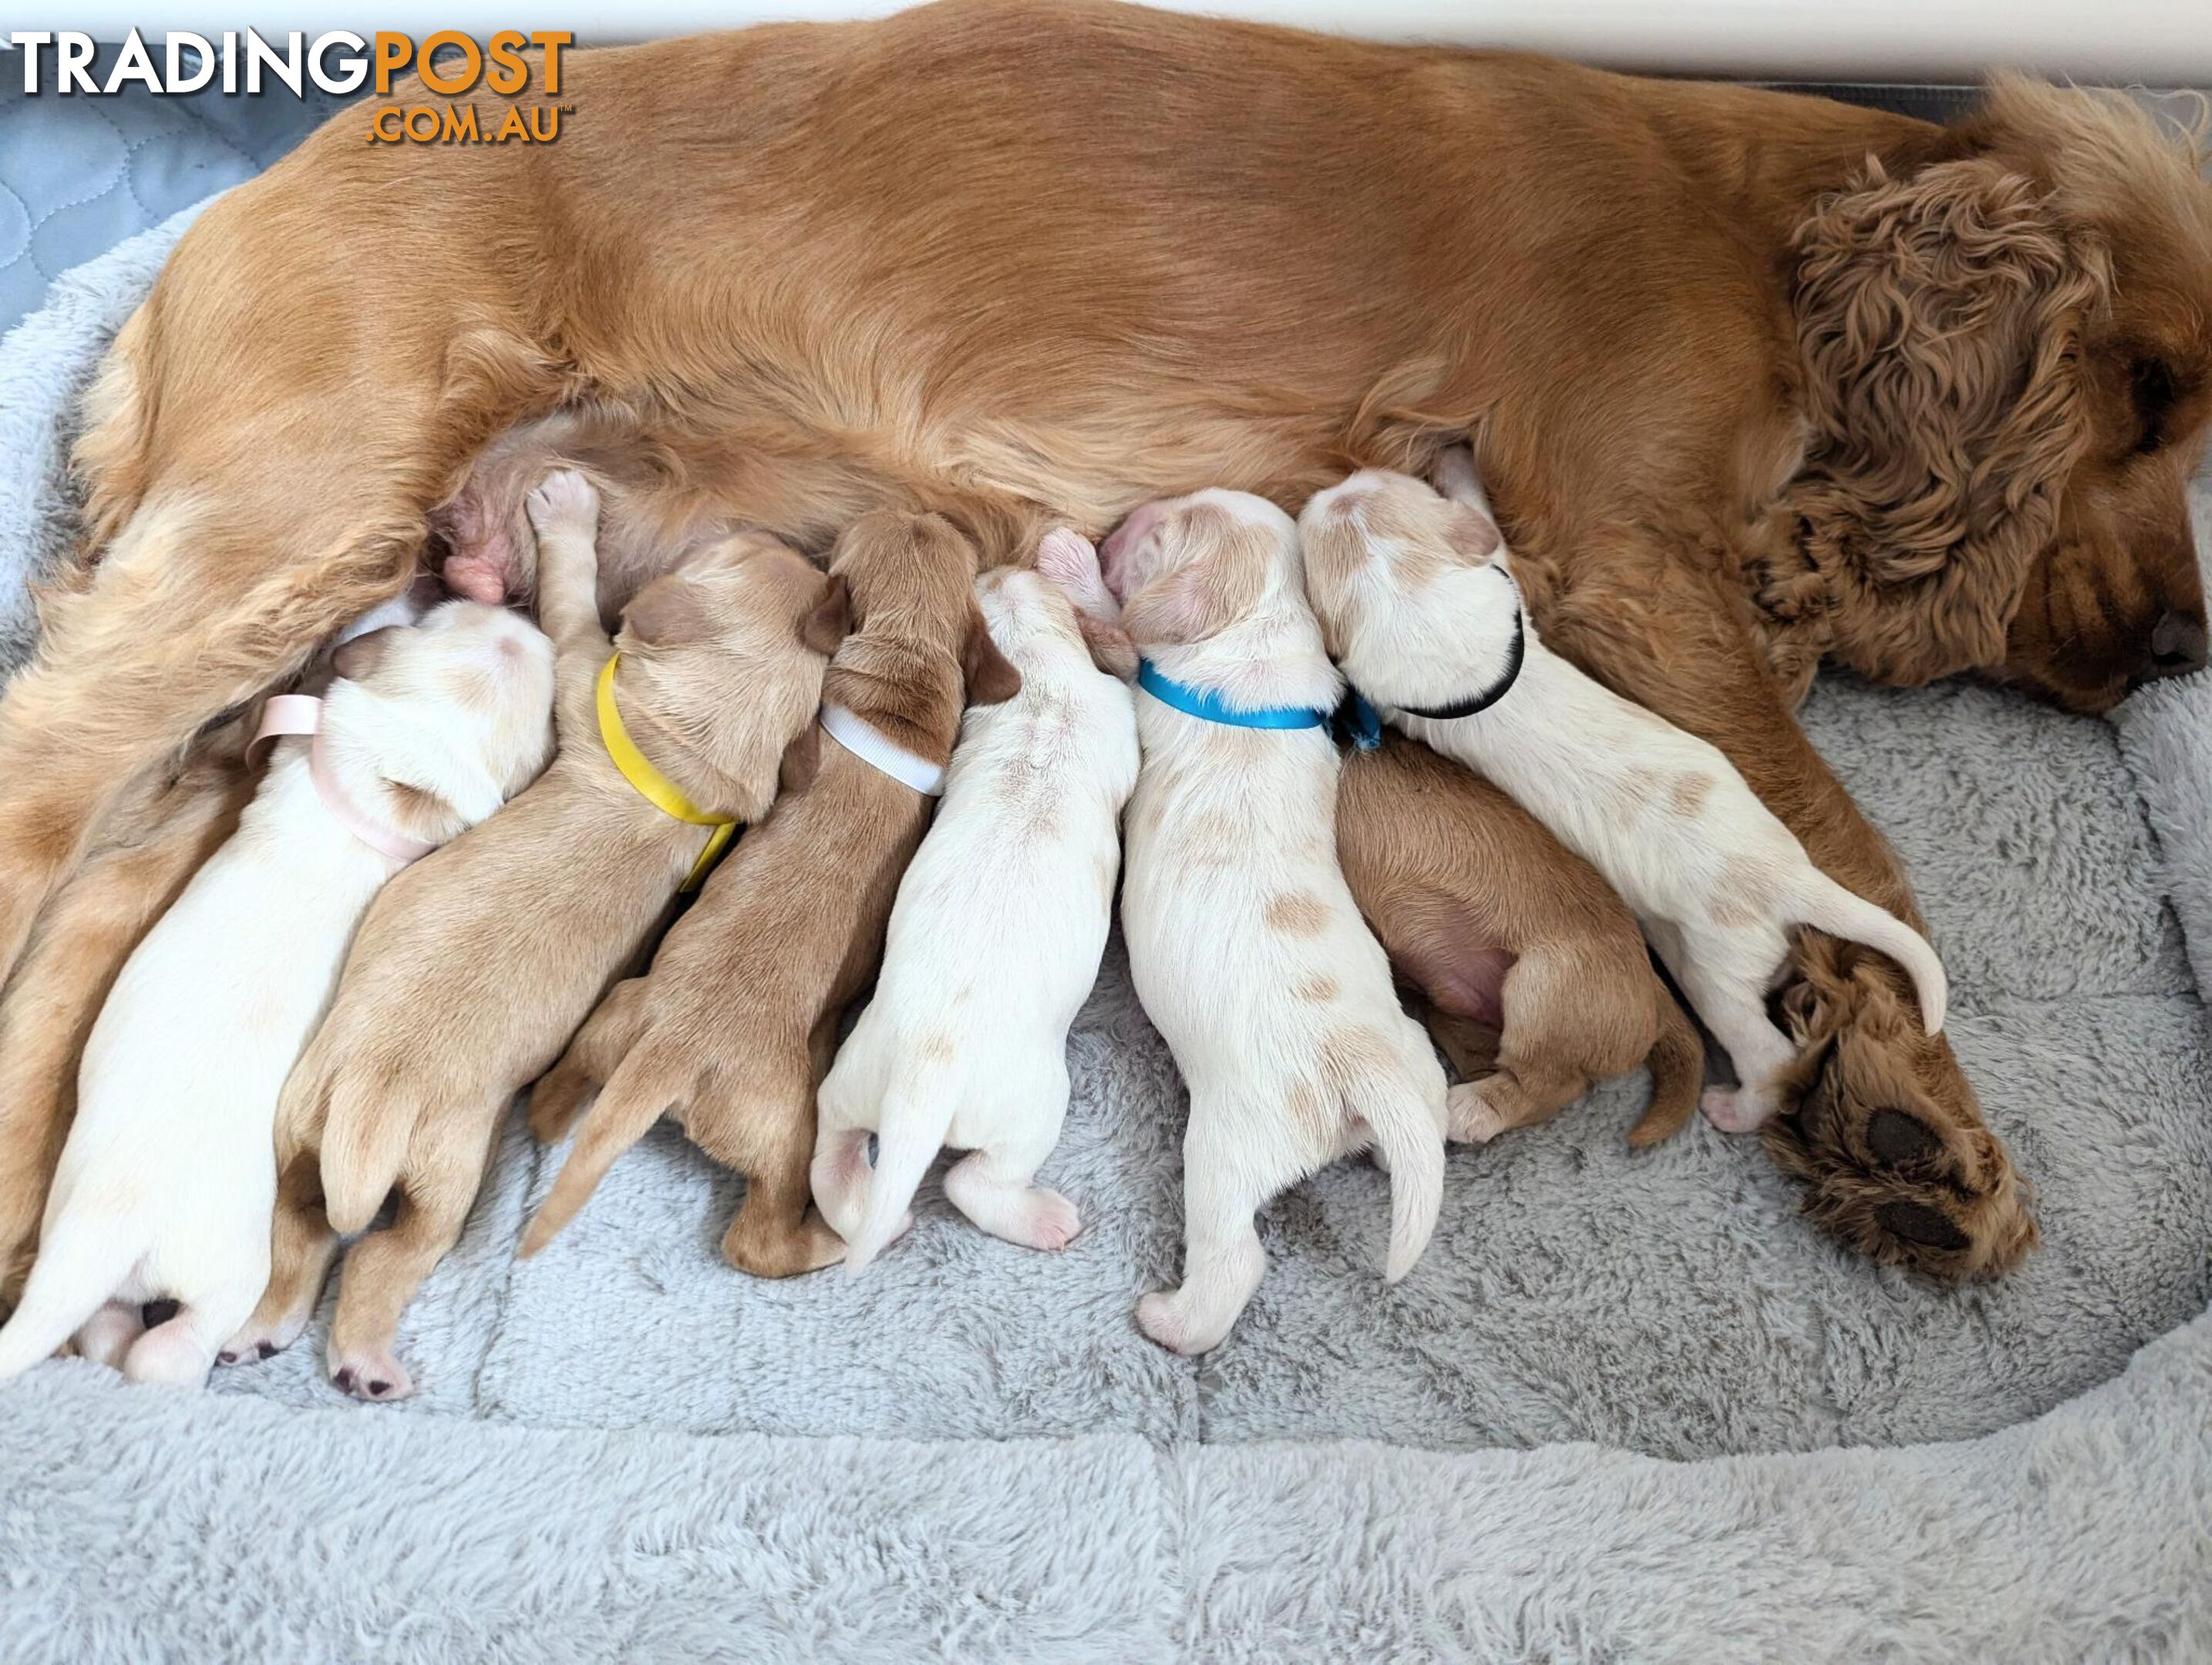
{"points": [[302, 714]]}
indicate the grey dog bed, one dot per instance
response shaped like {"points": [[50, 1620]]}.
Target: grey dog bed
{"points": [[1630, 1405]]}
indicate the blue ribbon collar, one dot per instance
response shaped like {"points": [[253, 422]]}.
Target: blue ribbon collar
{"points": [[1207, 706]]}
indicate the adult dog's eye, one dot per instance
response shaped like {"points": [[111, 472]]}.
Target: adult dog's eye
{"points": [[2151, 384]]}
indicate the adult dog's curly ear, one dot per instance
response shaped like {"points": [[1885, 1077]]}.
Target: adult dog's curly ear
{"points": [[1938, 319]]}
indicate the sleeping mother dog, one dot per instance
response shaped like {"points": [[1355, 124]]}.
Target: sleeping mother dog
{"points": [[1758, 380]]}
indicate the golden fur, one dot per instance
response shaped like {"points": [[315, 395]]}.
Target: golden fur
{"points": [[732, 1032], [474, 966], [1533, 972], [815, 270]]}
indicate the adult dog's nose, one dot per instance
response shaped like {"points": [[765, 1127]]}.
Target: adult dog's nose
{"points": [[2177, 644]]}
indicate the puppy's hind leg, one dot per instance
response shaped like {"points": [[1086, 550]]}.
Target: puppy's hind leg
{"points": [[182, 1351], [995, 1186], [1735, 1008], [302, 1245], [1230, 1169], [776, 1234]]}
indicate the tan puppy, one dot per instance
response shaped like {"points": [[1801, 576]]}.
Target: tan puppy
{"points": [[475, 966], [733, 1032], [168, 825], [1503, 930]]}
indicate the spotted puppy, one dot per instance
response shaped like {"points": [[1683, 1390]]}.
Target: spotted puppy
{"points": [[994, 945], [1247, 948], [1413, 590], [474, 969], [731, 1033], [164, 1184]]}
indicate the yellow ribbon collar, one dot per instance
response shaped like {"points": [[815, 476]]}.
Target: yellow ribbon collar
{"points": [[656, 789]]}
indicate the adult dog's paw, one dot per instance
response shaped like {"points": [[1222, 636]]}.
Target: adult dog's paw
{"points": [[1887, 1136]]}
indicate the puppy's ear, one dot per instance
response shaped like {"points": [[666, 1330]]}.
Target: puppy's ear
{"points": [[668, 612], [991, 679], [1193, 602], [359, 658], [800, 760], [422, 813], [831, 619], [1111, 650], [1470, 535]]}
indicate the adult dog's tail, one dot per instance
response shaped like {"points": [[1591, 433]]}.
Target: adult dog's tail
{"points": [[1827, 906], [1409, 1131]]}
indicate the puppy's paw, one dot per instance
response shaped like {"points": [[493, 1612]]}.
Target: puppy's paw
{"points": [[1046, 1221], [1176, 1320], [263, 1338], [1468, 1117], [565, 503], [368, 1372], [1736, 1109]]}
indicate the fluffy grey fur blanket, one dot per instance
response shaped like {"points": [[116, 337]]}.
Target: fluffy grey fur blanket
{"points": [[1628, 1406]]}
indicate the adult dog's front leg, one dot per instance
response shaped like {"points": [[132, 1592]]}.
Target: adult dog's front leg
{"points": [[1879, 1120]]}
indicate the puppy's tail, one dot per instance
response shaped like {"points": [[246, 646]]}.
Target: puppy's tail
{"points": [[364, 1148], [1409, 1130], [80, 1265], [1677, 1063], [637, 1095], [916, 1115], [1827, 906]]}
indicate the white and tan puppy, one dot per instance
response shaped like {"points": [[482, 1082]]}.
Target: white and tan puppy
{"points": [[994, 945], [166, 1185], [1414, 591], [1246, 947]]}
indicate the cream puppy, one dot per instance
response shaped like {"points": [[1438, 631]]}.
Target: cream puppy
{"points": [[166, 1183], [1414, 592], [993, 944], [1247, 948]]}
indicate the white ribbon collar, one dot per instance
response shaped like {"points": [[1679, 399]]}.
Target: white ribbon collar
{"points": [[867, 743]]}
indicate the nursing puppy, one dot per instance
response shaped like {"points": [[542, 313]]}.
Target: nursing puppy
{"points": [[731, 1033], [1504, 930], [165, 827], [1246, 947], [1413, 589], [165, 1185], [994, 945], [474, 969]]}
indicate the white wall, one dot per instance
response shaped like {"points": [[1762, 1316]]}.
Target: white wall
{"points": [[2162, 42]]}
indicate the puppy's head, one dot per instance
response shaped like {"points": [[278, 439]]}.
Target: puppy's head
{"points": [[1185, 569], [433, 726], [1414, 601], [724, 657], [1067, 566], [920, 647]]}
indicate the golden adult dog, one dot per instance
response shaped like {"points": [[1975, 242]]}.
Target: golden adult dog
{"points": [[1757, 379]]}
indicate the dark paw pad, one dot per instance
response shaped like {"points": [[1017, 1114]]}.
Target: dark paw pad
{"points": [[1916, 1223], [1898, 1140], [378, 1390], [266, 1349], [155, 1314], [344, 1380]]}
